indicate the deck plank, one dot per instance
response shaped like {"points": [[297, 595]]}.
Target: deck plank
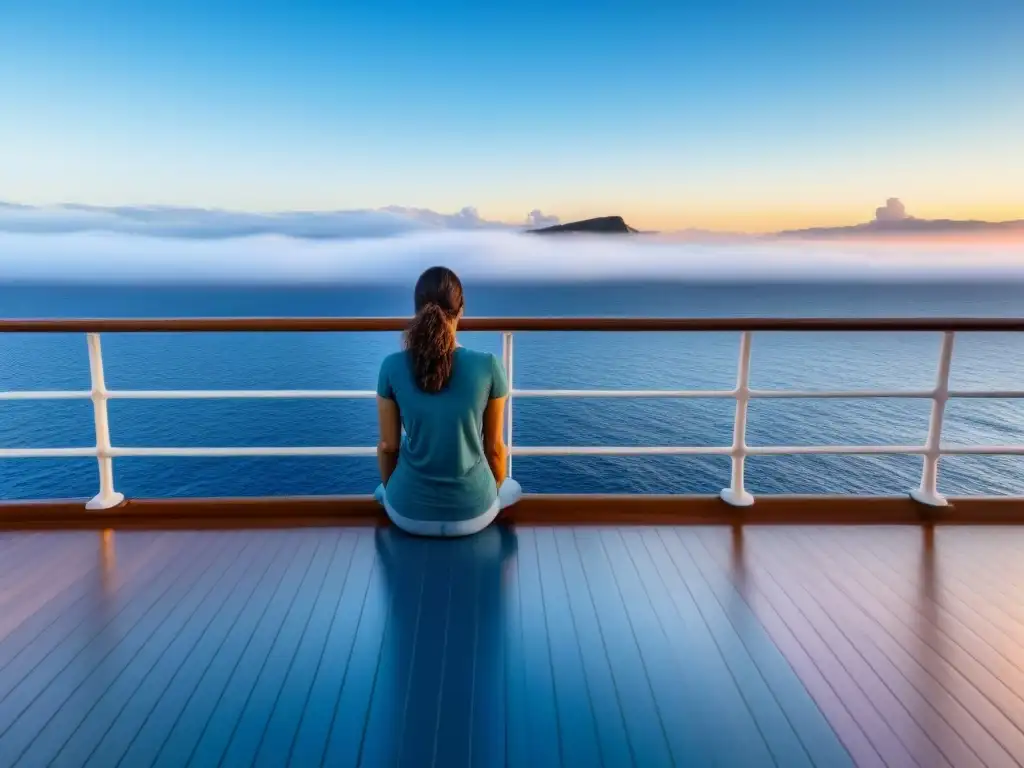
{"points": [[989, 656], [472, 700], [815, 672], [225, 691], [576, 716], [804, 718], [542, 729], [45, 619], [41, 680], [536, 646], [391, 657], [140, 730], [350, 557], [888, 642], [418, 711], [515, 670], [120, 713], [171, 731], [605, 700], [57, 738], [243, 743], [319, 711], [884, 682], [685, 704], [640, 704], [773, 728]]}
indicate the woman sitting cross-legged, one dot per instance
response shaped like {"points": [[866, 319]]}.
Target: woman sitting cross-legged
{"points": [[447, 476]]}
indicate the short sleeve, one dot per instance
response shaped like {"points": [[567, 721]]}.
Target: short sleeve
{"points": [[499, 381], [384, 388]]}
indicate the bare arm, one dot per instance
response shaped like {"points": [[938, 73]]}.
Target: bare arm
{"points": [[390, 423], [494, 443]]}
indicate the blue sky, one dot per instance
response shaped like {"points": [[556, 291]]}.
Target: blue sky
{"points": [[727, 115]]}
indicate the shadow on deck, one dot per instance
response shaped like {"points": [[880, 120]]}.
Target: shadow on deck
{"points": [[896, 646]]}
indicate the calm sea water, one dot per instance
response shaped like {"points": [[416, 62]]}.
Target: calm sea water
{"points": [[227, 361]]}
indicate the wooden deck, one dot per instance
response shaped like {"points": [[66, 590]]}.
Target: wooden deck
{"points": [[533, 646]]}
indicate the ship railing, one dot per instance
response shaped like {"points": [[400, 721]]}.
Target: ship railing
{"points": [[736, 494]]}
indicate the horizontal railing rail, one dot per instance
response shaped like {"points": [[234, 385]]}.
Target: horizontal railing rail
{"points": [[736, 494], [513, 324]]}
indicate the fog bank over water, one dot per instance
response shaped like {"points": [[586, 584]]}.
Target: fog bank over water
{"points": [[489, 256]]}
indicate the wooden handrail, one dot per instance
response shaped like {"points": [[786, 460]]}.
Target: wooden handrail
{"points": [[533, 509], [622, 324]]}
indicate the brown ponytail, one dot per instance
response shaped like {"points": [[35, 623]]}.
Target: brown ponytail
{"points": [[430, 337]]}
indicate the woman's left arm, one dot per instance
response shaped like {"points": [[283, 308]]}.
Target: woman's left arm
{"points": [[390, 423]]}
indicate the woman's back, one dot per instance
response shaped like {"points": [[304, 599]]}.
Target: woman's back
{"points": [[442, 472]]}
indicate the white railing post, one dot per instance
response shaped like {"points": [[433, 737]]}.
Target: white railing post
{"points": [[506, 359], [107, 497], [736, 494], [928, 492]]}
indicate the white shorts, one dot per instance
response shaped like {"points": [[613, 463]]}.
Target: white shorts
{"points": [[508, 494]]}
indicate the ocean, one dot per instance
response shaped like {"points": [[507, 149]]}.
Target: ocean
{"points": [[543, 360]]}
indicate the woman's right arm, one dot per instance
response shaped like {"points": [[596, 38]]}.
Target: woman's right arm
{"points": [[494, 441], [390, 425], [389, 420]]}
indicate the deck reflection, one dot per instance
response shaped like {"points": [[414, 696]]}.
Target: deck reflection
{"points": [[531, 647], [439, 693]]}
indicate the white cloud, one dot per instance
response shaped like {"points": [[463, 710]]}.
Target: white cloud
{"points": [[467, 218], [206, 223], [482, 255], [893, 210], [536, 219], [203, 223]]}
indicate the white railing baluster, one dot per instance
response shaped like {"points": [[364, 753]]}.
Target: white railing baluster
{"points": [[736, 494], [506, 359], [928, 492], [107, 497]]}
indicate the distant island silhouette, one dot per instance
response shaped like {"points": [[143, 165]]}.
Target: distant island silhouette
{"points": [[893, 219], [602, 225], [910, 226]]}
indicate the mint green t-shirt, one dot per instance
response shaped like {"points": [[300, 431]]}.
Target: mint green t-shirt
{"points": [[442, 472]]}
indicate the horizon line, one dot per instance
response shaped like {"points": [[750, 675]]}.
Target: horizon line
{"points": [[467, 218]]}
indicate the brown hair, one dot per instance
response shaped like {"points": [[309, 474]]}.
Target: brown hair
{"points": [[430, 337]]}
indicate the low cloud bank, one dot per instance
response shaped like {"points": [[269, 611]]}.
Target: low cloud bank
{"points": [[104, 257], [205, 223], [213, 224]]}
